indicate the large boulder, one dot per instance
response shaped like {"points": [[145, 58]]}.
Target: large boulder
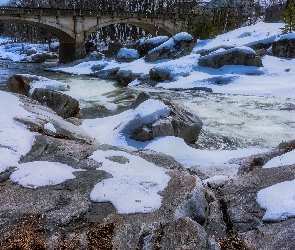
{"points": [[144, 46], [285, 46], [177, 46], [127, 55], [236, 56], [20, 83], [181, 122], [62, 104], [95, 56], [246, 215]]}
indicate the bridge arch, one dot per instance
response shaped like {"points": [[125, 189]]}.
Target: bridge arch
{"points": [[71, 27]]}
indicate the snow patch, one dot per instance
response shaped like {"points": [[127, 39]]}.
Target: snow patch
{"points": [[135, 185], [278, 200], [282, 160], [42, 173]]}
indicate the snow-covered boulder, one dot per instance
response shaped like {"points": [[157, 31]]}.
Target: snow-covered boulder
{"points": [[25, 84], [127, 55], [177, 46], [236, 56], [31, 51], [181, 122], [144, 46], [64, 105], [284, 46]]}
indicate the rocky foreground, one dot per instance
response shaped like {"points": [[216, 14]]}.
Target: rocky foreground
{"points": [[194, 213]]}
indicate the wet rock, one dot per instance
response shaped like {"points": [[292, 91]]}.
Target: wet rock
{"points": [[236, 56], [178, 46], [43, 57], [124, 77], [62, 104], [284, 48], [20, 83]]}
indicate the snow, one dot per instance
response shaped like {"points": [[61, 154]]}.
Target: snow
{"points": [[278, 200], [42, 173], [15, 139], [128, 53], [286, 36], [49, 126], [155, 40], [178, 37], [134, 186], [282, 160]]}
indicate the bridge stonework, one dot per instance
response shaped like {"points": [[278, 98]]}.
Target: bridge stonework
{"points": [[71, 27]]}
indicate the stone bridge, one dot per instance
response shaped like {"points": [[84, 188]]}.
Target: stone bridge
{"points": [[72, 26]]}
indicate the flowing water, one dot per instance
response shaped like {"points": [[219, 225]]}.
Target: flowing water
{"points": [[230, 121]]}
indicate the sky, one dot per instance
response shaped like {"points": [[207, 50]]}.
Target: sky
{"points": [[3, 2]]}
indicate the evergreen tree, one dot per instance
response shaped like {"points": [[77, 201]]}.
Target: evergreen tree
{"points": [[288, 16]]}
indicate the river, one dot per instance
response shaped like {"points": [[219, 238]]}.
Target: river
{"points": [[230, 121]]}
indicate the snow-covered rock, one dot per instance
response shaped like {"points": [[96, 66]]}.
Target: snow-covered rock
{"points": [[236, 56], [177, 46], [181, 122], [144, 46], [127, 55]]}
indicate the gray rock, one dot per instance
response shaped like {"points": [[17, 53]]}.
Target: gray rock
{"points": [[62, 104], [160, 74], [20, 83], [181, 122], [236, 56], [177, 46], [194, 208], [43, 57], [98, 67], [271, 236], [183, 233], [284, 48], [124, 77], [141, 97]]}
